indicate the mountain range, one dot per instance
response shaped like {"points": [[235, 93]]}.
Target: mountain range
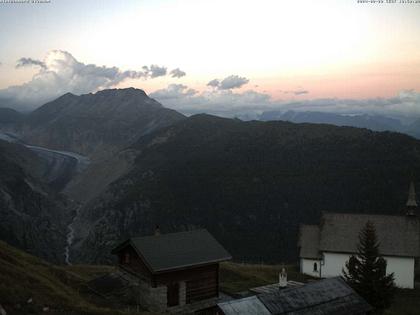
{"points": [[250, 183], [373, 122]]}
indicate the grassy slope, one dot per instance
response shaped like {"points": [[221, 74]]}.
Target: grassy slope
{"points": [[407, 302], [23, 276]]}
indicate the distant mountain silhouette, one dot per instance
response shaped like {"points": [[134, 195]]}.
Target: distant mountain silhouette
{"points": [[372, 122]]}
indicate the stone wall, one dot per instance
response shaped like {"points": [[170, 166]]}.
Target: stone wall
{"points": [[182, 293], [154, 299]]}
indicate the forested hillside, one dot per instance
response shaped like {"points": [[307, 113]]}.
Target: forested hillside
{"points": [[250, 183]]}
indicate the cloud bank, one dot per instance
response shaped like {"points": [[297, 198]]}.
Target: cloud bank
{"points": [[250, 104], [214, 101], [60, 72]]}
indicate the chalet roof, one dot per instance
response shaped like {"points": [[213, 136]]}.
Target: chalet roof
{"points": [[309, 241], [328, 296], [180, 250], [323, 297], [397, 235], [246, 306]]}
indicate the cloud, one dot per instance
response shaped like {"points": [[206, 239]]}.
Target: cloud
{"points": [[177, 73], [23, 62], [232, 82], [300, 92], [157, 71], [296, 92], [228, 83], [174, 92], [60, 72], [406, 103], [214, 83], [220, 102]]}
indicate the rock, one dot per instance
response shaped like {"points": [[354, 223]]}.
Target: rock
{"points": [[2, 310]]}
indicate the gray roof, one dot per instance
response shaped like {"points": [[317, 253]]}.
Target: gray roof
{"points": [[246, 306], [328, 296], [177, 250], [323, 297], [309, 241], [397, 235]]}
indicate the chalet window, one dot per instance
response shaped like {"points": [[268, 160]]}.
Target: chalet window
{"points": [[315, 267], [126, 258]]}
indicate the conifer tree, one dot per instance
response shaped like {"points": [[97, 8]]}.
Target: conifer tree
{"points": [[365, 272]]}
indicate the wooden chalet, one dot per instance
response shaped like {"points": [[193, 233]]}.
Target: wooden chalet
{"points": [[173, 269]]}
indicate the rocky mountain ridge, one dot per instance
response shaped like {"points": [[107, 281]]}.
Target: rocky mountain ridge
{"points": [[98, 124]]}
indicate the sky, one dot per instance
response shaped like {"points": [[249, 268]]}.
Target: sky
{"points": [[213, 54]]}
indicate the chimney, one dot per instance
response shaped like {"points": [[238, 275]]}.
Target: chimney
{"points": [[157, 230], [411, 205], [282, 278]]}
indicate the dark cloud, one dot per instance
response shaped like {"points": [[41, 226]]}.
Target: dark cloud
{"points": [[177, 73], [23, 62]]}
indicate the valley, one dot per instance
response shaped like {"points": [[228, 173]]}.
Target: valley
{"points": [[248, 183], [61, 166]]}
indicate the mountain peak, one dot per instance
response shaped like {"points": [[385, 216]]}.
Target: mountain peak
{"points": [[122, 92]]}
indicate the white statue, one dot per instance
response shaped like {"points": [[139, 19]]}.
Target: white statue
{"points": [[283, 278]]}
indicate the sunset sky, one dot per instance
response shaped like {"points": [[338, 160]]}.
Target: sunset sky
{"points": [[286, 50]]}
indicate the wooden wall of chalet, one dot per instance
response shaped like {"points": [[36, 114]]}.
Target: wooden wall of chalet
{"points": [[134, 262], [201, 282]]}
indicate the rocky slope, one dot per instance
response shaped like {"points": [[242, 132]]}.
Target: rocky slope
{"points": [[97, 124], [33, 217], [249, 183]]}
